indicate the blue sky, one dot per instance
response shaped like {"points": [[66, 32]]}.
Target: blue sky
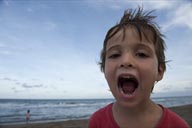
{"points": [[50, 49]]}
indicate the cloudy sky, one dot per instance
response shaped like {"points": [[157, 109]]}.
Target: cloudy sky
{"points": [[50, 49]]}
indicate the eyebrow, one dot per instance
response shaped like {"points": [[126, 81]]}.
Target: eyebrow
{"points": [[113, 47], [135, 45], [142, 45]]}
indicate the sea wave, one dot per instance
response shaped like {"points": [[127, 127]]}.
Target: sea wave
{"points": [[13, 110]]}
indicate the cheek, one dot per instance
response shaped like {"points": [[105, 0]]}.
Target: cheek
{"points": [[150, 72], [109, 73], [155, 70]]}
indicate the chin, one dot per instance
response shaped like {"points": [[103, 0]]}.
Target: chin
{"points": [[127, 103]]}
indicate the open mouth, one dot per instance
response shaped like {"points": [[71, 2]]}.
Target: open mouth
{"points": [[127, 85]]}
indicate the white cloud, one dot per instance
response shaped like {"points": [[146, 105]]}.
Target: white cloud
{"points": [[180, 16], [25, 85], [171, 85], [3, 51], [29, 10], [160, 4], [150, 5], [50, 25], [6, 2], [124, 4], [2, 45]]}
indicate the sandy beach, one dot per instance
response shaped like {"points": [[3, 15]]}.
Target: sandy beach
{"points": [[184, 111], [61, 124]]}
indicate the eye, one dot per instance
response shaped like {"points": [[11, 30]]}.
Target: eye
{"points": [[114, 56], [142, 54]]}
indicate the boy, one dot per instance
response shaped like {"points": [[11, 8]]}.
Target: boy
{"points": [[133, 60], [27, 116]]}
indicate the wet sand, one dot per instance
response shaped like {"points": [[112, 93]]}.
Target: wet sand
{"points": [[184, 111], [61, 124]]}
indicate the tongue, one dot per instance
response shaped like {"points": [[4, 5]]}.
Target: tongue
{"points": [[128, 87]]}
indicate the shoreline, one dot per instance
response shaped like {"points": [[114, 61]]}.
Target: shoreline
{"points": [[184, 111], [81, 123]]}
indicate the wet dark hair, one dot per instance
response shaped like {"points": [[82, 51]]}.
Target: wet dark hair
{"points": [[143, 23]]}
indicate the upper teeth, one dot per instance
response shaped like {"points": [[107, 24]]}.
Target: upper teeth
{"points": [[128, 77]]}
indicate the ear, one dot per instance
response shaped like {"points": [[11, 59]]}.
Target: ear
{"points": [[160, 73]]}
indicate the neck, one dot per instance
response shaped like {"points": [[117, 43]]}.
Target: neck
{"points": [[132, 112]]}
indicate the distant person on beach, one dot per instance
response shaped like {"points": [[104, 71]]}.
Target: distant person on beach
{"points": [[27, 116], [133, 61]]}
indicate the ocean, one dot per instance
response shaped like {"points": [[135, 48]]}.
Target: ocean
{"points": [[12, 111]]}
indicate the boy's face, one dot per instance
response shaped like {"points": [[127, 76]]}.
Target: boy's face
{"points": [[131, 67]]}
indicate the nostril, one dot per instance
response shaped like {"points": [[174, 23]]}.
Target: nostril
{"points": [[126, 65], [130, 65]]}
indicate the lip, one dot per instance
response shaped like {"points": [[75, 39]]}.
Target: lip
{"points": [[124, 96]]}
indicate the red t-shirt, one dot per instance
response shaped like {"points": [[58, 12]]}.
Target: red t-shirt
{"points": [[103, 118]]}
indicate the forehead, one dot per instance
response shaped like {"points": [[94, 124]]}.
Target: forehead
{"points": [[132, 34]]}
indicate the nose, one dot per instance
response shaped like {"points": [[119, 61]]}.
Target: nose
{"points": [[127, 61]]}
